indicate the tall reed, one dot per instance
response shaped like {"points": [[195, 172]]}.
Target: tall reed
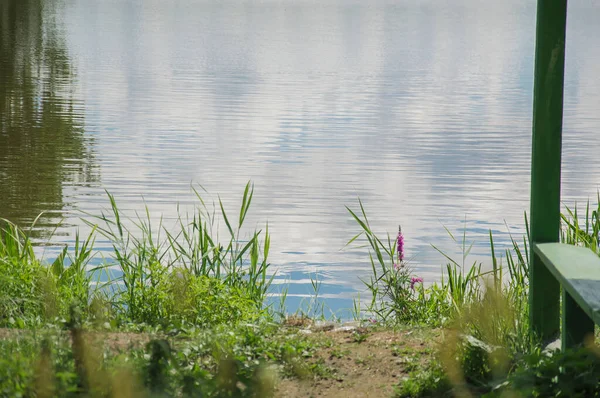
{"points": [[154, 274]]}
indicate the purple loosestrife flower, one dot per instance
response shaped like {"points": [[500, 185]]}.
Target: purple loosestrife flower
{"points": [[400, 245], [414, 280]]}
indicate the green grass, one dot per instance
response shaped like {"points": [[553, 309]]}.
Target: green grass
{"points": [[220, 361], [198, 304], [396, 299], [166, 278]]}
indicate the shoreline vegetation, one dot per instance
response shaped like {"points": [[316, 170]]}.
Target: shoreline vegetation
{"points": [[186, 316]]}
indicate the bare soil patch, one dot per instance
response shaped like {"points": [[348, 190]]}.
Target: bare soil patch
{"points": [[361, 364]]}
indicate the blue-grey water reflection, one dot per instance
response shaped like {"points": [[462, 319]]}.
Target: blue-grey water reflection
{"points": [[420, 108]]}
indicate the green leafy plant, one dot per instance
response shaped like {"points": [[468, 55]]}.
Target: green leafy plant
{"points": [[397, 295], [573, 373]]}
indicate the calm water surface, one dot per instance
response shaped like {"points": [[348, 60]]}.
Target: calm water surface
{"points": [[420, 108]]}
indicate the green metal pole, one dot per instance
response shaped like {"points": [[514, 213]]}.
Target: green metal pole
{"points": [[544, 290]]}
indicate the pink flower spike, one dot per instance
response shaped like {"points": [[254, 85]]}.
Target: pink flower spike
{"points": [[400, 245], [414, 280]]}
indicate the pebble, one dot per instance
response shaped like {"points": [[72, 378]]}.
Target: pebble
{"points": [[553, 346], [328, 326], [345, 329]]}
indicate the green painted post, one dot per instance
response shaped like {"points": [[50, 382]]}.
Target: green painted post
{"points": [[544, 290]]}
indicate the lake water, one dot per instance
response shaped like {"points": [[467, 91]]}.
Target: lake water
{"points": [[421, 108]]}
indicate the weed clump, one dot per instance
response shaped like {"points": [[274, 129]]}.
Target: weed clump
{"points": [[154, 277]]}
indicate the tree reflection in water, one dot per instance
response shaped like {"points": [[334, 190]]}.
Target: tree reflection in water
{"points": [[43, 148]]}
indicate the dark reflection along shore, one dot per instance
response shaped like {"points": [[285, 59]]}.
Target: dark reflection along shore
{"points": [[43, 148]]}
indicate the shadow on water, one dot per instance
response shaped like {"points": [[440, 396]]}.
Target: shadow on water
{"points": [[43, 149]]}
